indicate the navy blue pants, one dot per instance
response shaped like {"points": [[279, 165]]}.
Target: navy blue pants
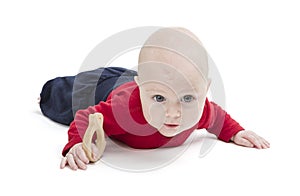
{"points": [[61, 97]]}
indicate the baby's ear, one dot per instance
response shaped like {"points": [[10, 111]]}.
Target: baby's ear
{"points": [[208, 84], [136, 79]]}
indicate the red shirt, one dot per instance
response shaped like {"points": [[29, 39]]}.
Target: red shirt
{"points": [[124, 121]]}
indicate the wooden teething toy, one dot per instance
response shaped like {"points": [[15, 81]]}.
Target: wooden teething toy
{"points": [[95, 125]]}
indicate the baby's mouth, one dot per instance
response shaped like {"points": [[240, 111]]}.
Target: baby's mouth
{"points": [[171, 126]]}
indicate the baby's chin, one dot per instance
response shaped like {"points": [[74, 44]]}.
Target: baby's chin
{"points": [[169, 132]]}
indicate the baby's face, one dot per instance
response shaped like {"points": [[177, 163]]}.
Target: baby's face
{"points": [[173, 94]]}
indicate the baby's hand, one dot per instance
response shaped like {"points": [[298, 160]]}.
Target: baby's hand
{"points": [[76, 157], [250, 139]]}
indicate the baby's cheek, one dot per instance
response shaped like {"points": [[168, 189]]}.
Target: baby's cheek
{"points": [[190, 116], [156, 115]]}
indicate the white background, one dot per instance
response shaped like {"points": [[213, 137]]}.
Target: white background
{"points": [[255, 45]]}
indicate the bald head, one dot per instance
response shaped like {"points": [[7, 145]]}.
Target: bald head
{"points": [[177, 47], [173, 80]]}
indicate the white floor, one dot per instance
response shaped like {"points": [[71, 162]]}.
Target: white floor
{"points": [[255, 48], [32, 144]]}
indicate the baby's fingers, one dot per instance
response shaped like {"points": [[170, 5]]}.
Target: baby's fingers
{"points": [[95, 152], [81, 155], [264, 143], [80, 163], [71, 161], [254, 140], [244, 142], [250, 139], [63, 163]]}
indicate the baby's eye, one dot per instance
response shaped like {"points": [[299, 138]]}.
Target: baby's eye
{"points": [[159, 98], [187, 98]]}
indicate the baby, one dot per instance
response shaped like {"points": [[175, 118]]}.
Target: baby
{"points": [[162, 105]]}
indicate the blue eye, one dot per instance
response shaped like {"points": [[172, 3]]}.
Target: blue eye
{"points": [[159, 98], [187, 98]]}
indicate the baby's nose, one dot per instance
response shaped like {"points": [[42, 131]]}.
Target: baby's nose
{"points": [[173, 112]]}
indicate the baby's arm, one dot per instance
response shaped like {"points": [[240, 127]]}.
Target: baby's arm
{"points": [[250, 139], [82, 153], [73, 152], [227, 129]]}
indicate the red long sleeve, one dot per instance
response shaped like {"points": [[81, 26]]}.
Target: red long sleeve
{"points": [[217, 121], [80, 123], [124, 121]]}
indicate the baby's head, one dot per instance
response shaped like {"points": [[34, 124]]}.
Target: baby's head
{"points": [[173, 80]]}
